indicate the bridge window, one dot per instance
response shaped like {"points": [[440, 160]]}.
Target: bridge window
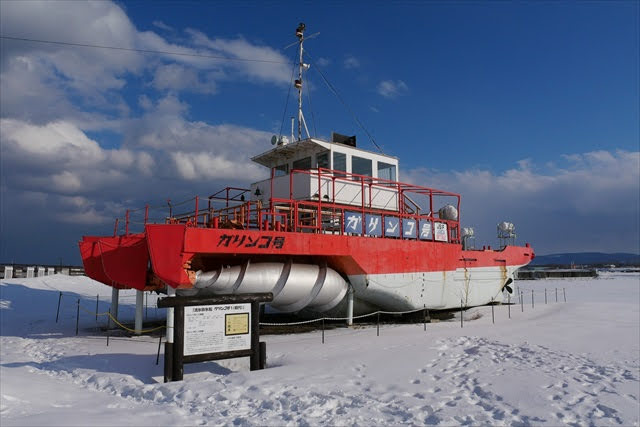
{"points": [[302, 164], [281, 170], [339, 162], [386, 171], [323, 160], [361, 166]]}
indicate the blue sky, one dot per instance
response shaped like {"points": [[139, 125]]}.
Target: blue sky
{"points": [[528, 109]]}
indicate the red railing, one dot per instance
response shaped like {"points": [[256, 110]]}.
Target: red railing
{"points": [[318, 214]]}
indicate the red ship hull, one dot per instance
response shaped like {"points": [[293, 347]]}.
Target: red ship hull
{"points": [[175, 249]]}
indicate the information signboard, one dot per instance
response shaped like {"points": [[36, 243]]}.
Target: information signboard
{"points": [[441, 232], [217, 328]]}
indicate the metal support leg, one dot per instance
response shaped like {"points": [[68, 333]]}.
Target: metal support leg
{"points": [[350, 306], [168, 345], [139, 307], [115, 293]]}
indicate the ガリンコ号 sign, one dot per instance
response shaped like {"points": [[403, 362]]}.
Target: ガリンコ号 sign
{"points": [[216, 328]]}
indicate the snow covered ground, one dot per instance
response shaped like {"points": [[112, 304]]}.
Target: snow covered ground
{"points": [[575, 364]]}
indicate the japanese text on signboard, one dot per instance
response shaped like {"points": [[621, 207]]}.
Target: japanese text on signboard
{"points": [[243, 241]]}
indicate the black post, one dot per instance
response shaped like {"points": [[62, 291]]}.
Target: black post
{"points": [[159, 344], [108, 328], [522, 301], [493, 317], [97, 302], [509, 304], [532, 303], [564, 292], [177, 371], [146, 305], [378, 326], [323, 330], [168, 361], [556, 294], [461, 316], [424, 318], [78, 316], [263, 355], [58, 310], [545, 295], [254, 360]]}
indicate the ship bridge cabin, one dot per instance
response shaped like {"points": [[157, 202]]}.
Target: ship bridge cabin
{"points": [[336, 172], [335, 187]]}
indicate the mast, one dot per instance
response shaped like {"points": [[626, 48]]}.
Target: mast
{"points": [[298, 83]]}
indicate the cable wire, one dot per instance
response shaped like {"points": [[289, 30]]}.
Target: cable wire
{"points": [[346, 106], [313, 116], [196, 55], [286, 102]]}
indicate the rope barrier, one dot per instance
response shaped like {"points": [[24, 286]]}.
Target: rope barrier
{"points": [[342, 318], [120, 324], [115, 321], [289, 324]]}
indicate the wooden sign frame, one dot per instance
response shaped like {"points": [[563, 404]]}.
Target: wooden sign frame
{"points": [[174, 358]]}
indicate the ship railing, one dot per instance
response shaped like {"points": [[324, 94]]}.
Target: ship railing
{"points": [[370, 187], [229, 209], [329, 218]]}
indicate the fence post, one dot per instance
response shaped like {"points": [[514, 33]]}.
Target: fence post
{"points": [[545, 295], [159, 344], [97, 302], [532, 303], [323, 330], [424, 318], [564, 292], [108, 324], [262, 350], [509, 304], [58, 310], [493, 317], [556, 294], [378, 326], [78, 316], [522, 301], [461, 316]]}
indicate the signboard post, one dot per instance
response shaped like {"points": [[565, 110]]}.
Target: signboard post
{"points": [[213, 328]]}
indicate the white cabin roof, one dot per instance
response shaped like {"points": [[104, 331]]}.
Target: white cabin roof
{"points": [[299, 149]]}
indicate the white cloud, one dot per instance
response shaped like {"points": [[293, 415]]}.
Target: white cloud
{"points": [[208, 165], [43, 82], [270, 65], [591, 202], [67, 182], [56, 142], [162, 26], [351, 62], [60, 158], [85, 69], [392, 89], [165, 152], [177, 77], [323, 62]]}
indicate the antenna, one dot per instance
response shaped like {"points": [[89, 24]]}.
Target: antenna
{"points": [[298, 82]]}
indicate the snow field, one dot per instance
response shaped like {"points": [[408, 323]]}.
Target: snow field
{"points": [[557, 364]]}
